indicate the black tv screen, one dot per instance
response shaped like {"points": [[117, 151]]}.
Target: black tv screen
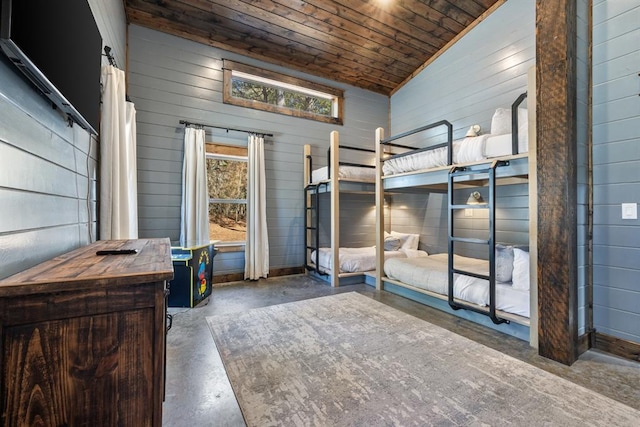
{"points": [[57, 45]]}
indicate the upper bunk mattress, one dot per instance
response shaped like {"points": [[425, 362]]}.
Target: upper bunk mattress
{"points": [[467, 150], [431, 274], [355, 173]]}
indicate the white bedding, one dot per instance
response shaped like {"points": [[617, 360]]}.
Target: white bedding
{"points": [[345, 172], [470, 149], [431, 273], [359, 259]]}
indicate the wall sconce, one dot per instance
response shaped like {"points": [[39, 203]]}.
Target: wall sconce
{"points": [[474, 130], [475, 198]]}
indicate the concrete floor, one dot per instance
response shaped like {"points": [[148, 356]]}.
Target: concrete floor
{"points": [[198, 392]]}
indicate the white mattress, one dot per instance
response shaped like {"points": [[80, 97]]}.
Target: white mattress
{"points": [[345, 172], [431, 274], [354, 260], [500, 145], [466, 150]]}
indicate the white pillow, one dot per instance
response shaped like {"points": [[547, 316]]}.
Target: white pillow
{"points": [[504, 263], [409, 241], [501, 121], [520, 269], [392, 243]]}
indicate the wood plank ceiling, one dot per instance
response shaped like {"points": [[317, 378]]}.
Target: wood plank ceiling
{"points": [[372, 44]]}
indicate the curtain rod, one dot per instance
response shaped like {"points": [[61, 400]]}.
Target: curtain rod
{"points": [[112, 62], [186, 123]]}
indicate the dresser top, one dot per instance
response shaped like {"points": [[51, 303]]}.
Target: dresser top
{"points": [[83, 267]]}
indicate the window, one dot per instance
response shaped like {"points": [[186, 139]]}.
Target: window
{"points": [[227, 187], [253, 87]]}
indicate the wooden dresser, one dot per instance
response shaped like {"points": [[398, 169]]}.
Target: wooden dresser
{"points": [[83, 338]]}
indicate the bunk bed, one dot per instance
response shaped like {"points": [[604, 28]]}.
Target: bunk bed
{"points": [[339, 176], [495, 290]]}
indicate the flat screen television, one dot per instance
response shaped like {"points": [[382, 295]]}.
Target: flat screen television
{"points": [[57, 45]]}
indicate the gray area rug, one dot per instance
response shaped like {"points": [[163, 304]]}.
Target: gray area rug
{"points": [[347, 360]]}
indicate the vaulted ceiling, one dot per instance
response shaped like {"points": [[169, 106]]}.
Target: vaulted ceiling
{"points": [[372, 44]]}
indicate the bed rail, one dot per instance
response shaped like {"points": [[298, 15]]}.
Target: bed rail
{"points": [[389, 141], [514, 122], [342, 163], [309, 160]]}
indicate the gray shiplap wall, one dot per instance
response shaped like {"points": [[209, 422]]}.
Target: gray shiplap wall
{"points": [[47, 169], [582, 159], [357, 220], [112, 24], [47, 185], [426, 214], [485, 70], [616, 162], [171, 79]]}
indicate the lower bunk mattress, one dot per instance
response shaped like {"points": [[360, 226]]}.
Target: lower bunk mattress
{"points": [[354, 260], [431, 274]]}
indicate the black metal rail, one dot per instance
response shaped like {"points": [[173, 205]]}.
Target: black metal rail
{"points": [[514, 122], [312, 209], [449, 143]]}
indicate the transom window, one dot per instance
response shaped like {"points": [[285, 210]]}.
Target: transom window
{"points": [[265, 90], [227, 188]]}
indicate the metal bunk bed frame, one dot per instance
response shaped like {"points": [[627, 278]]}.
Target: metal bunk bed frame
{"points": [[455, 174], [312, 205]]}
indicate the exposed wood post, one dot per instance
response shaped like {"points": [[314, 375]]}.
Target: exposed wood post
{"points": [[379, 210], [557, 179], [335, 209]]}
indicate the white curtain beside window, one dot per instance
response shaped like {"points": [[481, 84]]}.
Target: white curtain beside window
{"points": [[194, 218], [256, 254], [118, 170]]}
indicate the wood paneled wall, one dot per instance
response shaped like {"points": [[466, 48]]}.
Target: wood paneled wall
{"points": [[357, 220], [48, 170], [171, 79], [426, 214], [484, 70], [616, 161], [112, 24], [47, 177]]}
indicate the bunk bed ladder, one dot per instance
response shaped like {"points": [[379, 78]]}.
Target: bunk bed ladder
{"points": [[312, 226], [472, 173]]}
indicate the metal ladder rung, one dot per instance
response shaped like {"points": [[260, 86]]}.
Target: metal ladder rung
{"points": [[454, 303], [470, 240], [469, 207], [471, 274]]}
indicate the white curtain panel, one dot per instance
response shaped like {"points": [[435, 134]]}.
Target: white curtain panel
{"points": [[256, 255], [118, 170], [194, 218]]}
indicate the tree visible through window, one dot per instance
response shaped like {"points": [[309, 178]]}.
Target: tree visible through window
{"points": [[253, 87], [248, 87], [227, 186]]}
